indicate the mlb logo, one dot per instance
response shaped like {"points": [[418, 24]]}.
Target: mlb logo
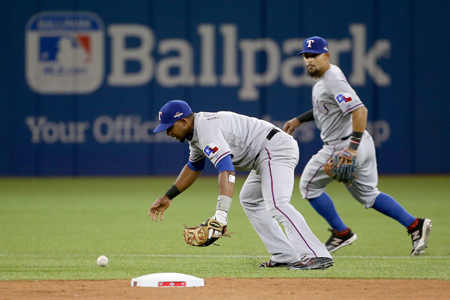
{"points": [[61, 48], [210, 150], [343, 97], [64, 52]]}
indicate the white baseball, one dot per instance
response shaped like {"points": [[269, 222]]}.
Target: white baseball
{"points": [[102, 261]]}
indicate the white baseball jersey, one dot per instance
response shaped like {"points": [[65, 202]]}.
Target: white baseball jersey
{"points": [[223, 133], [333, 101], [265, 195]]}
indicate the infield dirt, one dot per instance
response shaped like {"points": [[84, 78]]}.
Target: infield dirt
{"points": [[230, 288]]}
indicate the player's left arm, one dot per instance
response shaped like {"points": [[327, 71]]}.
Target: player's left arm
{"points": [[359, 117], [348, 155], [226, 182], [216, 226]]}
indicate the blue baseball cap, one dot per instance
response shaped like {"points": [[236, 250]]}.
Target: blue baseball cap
{"points": [[171, 112], [315, 44]]}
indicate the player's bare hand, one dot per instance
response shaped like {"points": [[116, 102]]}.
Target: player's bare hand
{"points": [[159, 207], [290, 126]]}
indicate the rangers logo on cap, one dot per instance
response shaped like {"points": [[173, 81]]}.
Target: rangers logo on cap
{"points": [[171, 112], [315, 44]]}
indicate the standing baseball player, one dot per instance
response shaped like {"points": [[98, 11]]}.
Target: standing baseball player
{"points": [[341, 117], [236, 142]]}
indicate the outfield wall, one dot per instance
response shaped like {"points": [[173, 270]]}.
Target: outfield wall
{"points": [[82, 81]]}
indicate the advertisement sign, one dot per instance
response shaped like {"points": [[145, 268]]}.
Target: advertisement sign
{"points": [[86, 80]]}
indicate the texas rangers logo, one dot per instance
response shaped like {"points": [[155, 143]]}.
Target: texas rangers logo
{"points": [[343, 97], [64, 52], [310, 42], [210, 150]]}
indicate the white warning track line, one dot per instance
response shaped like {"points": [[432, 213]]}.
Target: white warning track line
{"points": [[234, 256], [257, 256], [193, 256], [396, 257]]}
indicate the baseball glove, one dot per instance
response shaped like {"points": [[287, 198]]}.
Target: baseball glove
{"points": [[203, 235], [342, 167]]}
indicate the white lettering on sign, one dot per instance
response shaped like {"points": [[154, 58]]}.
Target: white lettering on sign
{"points": [[131, 129], [51, 132], [120, 54], [279, 63], [54, 39], [367, 61]]}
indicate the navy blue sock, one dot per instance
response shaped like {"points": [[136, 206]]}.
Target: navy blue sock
{"points": [[325, 207], [387, 205]]}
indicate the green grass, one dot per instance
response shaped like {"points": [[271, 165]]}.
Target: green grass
{"points": [[55, 228]]}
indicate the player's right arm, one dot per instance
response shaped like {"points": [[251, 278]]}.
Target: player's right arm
{"points": [[185, 179], [290, 125]]}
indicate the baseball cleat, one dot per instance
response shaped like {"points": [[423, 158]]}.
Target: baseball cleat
{"points": [[336, 242], [419, 236], [274, 264], [316, 263]]}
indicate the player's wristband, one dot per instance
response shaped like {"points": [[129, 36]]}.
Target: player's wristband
{"points": [[223, 203], [306, 117], [173, 192], [355, 140], [357, 135]]}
